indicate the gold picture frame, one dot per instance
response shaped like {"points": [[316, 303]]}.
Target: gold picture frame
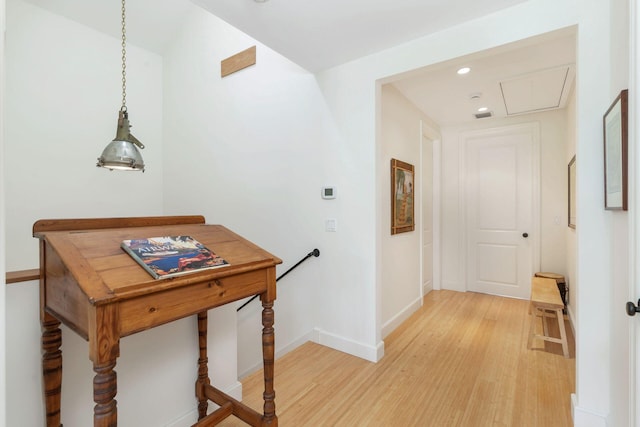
{"points": [[402, 197]]}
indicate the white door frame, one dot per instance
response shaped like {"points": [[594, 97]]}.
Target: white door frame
{"points": [[429, 133], [3, 369], [534, 235], [634, 219]]}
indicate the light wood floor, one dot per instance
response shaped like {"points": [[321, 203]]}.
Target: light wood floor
{"points": [[461, 360]]}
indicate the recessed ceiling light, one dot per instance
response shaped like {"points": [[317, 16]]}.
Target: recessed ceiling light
{"points": [[464, 70], [261, 1], [482, 109]]}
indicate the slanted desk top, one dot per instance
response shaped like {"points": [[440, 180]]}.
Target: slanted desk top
{"points": [[89, 283]]}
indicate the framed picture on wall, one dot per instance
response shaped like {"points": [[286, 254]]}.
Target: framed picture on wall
{"points": [[615, 154], [402, 197], [572, 192]]}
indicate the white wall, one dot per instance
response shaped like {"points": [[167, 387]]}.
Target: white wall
{"points": [[591, 404], [553, 194], [62, 100], [400, 138], [620, 236], [594, 317], [251, 151]]}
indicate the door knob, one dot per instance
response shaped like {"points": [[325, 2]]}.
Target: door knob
{"points": [[525, 235], [632, 309]]}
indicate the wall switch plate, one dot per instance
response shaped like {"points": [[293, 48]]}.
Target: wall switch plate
{"points": [[331, 224]]}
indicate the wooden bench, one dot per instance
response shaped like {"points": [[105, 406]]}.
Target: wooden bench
{"points": [[545, 300], [562, 285]]}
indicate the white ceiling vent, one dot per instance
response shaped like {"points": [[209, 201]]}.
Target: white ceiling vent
{"points": [[483, 115], [538, 91]]}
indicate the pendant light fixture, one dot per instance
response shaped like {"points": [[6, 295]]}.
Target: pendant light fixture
{"points": [[122, 153]]}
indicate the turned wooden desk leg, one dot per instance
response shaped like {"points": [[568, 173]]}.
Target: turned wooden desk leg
{"points": [[104, 349], [52, 368], [268, 349], [203, 368], [104, 392]]}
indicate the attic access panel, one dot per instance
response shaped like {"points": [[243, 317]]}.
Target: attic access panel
{"points": [[538, 91]]}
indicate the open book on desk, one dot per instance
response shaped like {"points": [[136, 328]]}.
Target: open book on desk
{"points": [[169, 256]]}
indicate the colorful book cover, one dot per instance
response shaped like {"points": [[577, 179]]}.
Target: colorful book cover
{"points": [[169, 256]]}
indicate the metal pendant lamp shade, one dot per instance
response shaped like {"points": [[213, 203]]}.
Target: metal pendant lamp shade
{"points": [[122, 153]]}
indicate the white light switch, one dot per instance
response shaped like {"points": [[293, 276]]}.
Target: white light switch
{"points": [[331, 224]]}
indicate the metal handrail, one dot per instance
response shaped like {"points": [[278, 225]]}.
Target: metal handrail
{"points": [[315, 253]]}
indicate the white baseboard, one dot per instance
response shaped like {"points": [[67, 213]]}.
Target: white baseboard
{"points": [[191, 417], [346, 345], [426, 288], [453, 286], [403, 315], [318, 336], [585, 418], [571, 317]]}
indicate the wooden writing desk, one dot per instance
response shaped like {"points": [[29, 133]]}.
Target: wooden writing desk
{"points": [[91, 285]]}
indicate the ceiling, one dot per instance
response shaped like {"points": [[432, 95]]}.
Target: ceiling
{"points": [[151, 24], [320, 34], [314, 34], [526, 77]]}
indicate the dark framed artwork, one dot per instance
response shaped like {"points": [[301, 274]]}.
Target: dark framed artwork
{"points": [[615, 154], [402, 197], [572, 193]]}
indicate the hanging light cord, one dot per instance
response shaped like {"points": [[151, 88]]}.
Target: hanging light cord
{"points": [[124, 62]]}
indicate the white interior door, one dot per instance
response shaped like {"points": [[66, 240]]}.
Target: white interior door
{"points": [[501, 201]]}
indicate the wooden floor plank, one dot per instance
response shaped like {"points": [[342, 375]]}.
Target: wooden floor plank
{"points": [[460, 360]]}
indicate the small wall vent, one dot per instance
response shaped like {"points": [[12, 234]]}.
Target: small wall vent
{"points": [[484, 115]]}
